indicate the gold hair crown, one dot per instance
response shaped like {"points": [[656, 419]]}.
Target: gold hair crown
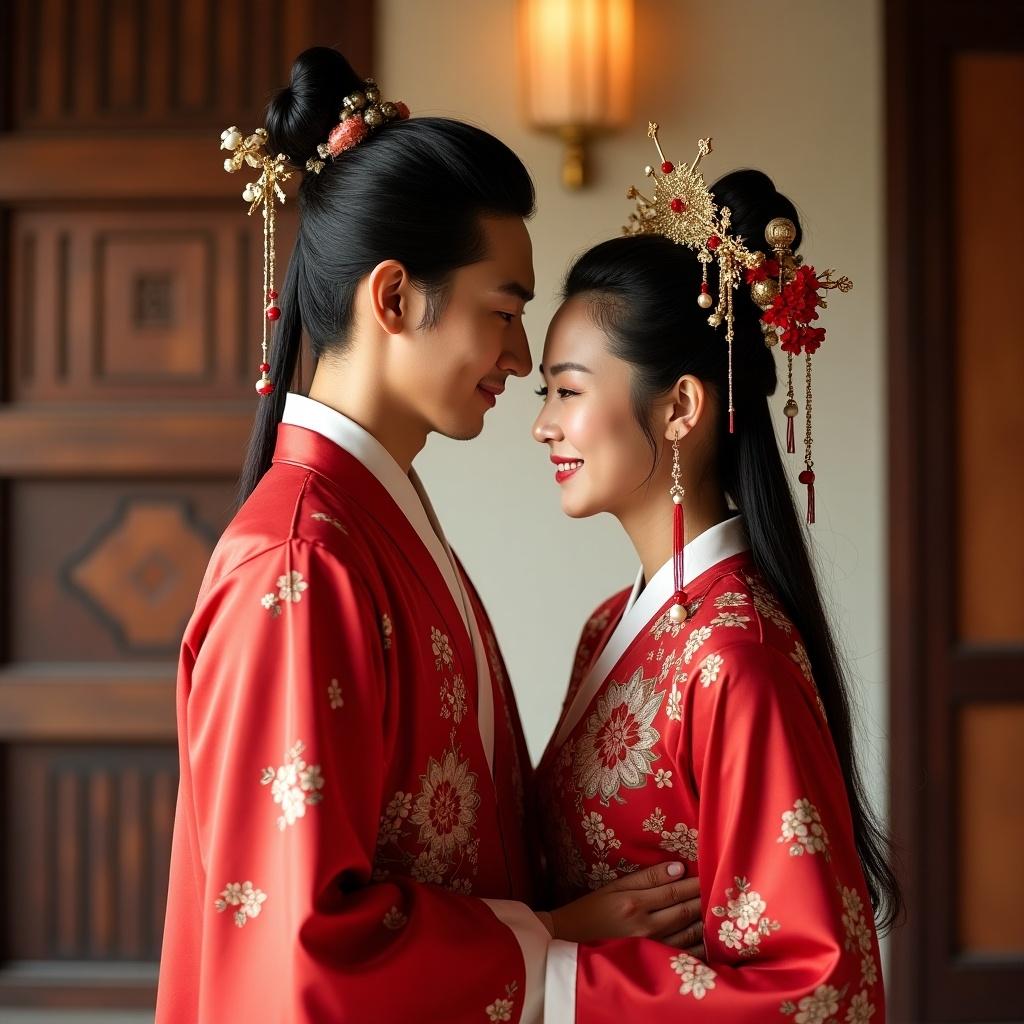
{"points": [[683, 209]]}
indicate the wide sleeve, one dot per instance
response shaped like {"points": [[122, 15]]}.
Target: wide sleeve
{"points": [[788, 927], [284, 756]]}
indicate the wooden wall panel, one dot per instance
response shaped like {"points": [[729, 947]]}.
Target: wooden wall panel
{"points": [[989, 154], [130, 290], [92, 852], [142, 304], [116, 581]]}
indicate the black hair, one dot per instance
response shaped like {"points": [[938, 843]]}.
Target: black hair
{"points": [[414, 191], [641, 291]]}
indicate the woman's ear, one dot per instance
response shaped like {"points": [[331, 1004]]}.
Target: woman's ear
{"points": [[388, 286], [685, 406]]}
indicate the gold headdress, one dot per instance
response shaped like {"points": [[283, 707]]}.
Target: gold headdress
{"points": [[263, 193], [362, 112], [683, 209]]}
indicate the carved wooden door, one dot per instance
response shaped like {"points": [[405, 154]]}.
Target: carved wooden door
{"points": [[129, 310]]}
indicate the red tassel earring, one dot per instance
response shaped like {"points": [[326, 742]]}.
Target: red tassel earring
{"points": [[677, 613]]}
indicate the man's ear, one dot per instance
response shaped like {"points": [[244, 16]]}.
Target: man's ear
{"points": [[388, 286]]}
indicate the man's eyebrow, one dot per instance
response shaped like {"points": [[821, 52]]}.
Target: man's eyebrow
{"points": [[516, 289]]}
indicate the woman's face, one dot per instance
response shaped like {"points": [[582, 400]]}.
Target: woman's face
{"points": [[601, 457]]}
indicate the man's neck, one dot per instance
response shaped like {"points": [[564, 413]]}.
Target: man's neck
{"points": [[355, 391]]}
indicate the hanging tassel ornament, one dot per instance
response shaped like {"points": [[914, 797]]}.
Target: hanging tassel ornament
{"points": [[677, 613], [265, 192], [807, 476], [791, 409]]}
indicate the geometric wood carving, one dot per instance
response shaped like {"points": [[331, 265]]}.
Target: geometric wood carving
{"points": [[142, 572]]}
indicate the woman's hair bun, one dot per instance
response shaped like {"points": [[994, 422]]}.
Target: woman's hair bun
{"points": [[753, 201], [302, 114]]}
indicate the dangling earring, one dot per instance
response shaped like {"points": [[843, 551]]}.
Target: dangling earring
{"points": [[677, 613]]}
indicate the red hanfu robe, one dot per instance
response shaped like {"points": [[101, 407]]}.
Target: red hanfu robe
{"points": [[706, 741], [349, 837]]}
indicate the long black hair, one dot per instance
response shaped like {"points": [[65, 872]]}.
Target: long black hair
{"points": [[413, 192], [642, 291]]}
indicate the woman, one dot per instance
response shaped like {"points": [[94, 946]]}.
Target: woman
{"points": [[350, 837], [718, 730]]}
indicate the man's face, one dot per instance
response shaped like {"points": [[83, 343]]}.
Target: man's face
{"points": [[452, 373]]}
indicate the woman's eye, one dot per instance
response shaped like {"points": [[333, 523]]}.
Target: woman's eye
{"points": [[566, 393], [507, 317]]}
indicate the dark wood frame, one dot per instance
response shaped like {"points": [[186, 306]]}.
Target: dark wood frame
{"points": [[932, 673]]}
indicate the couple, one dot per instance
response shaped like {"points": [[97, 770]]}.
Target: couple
{"points": [[359, 835]]}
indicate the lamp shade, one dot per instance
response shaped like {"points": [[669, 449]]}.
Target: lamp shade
{"points": [[577, 62]]}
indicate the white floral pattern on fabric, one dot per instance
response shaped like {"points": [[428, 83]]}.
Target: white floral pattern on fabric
{"points": [[682, 840], [272, 604], [861, 1009], [441, 647], [731, 599], [243, 895], [730, 619], [747, 922], [617, 748], [394, 919], [696, 979], [858, 931], [709, 669], [290, 587], [334, 695], [766, 604], [453, 698], [674, 706], [501, 1009], [323, 517], [694, 642], [655, 821], [817, 1008], [446, 806], [799, 655], [663, 779], [295, 785], [803, 830], [868, 970]]}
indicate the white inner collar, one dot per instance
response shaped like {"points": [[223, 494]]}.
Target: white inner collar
{"points": [[714, 545]]}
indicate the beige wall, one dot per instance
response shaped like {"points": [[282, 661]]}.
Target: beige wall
{"points": [[792, 88]]}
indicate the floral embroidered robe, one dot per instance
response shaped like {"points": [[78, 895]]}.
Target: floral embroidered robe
{"points": [[349, 835], [706, 741]]}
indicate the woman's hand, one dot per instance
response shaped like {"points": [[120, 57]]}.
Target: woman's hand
{"points": [[653, 903]]}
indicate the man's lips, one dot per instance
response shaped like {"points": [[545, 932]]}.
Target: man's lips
{"points": [[490, 391]]}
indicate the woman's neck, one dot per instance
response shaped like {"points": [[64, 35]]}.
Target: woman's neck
{"points": [[649, 522]]}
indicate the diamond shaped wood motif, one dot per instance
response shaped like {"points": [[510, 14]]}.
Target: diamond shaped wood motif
{"points": [[142, 572]]}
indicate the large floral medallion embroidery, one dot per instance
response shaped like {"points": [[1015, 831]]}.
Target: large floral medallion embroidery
{"points": [[295, 785], [445, 811], [803, 830], [695, 979], [746, 921], [244, 897], [617, 748]]}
